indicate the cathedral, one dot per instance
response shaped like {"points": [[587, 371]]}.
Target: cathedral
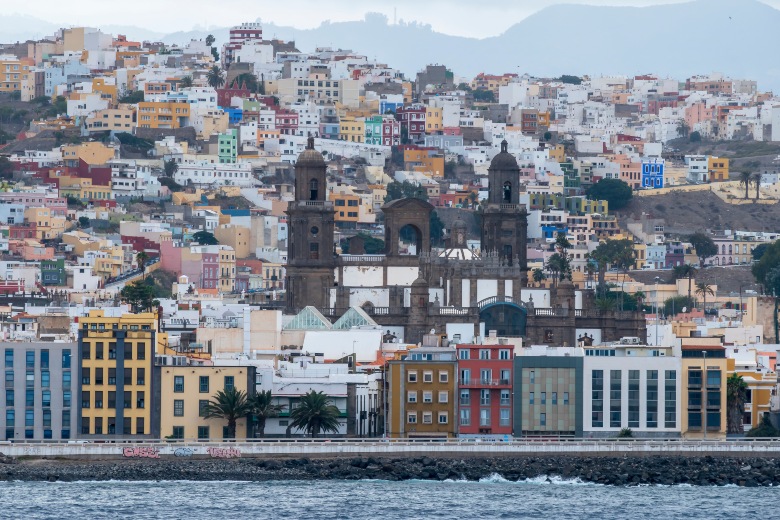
{"points": [[411, 289]]}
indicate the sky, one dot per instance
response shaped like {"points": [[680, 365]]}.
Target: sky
{"points": [[472, 18]]}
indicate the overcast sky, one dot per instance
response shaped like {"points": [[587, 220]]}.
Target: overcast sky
{"points": [[475, 18]]}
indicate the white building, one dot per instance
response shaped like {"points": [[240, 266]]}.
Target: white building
{"points": [[202, 174]]}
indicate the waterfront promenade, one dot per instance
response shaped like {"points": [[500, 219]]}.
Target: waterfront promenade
{"points": [[271, 448]]}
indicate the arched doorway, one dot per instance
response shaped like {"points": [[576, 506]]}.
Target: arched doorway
{"points": [[504, 316]]}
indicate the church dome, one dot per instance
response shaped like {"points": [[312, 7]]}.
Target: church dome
{"points": [[504, 160], [420, 282], [310, 156]]}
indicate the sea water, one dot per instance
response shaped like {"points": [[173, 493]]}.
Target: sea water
{"points": [[492, 497]]}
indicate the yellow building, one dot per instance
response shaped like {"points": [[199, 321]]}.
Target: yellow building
{"points": [[760, 388], [83, 189], [703, 388], [424, 160], [115, 380], [422, 397], [110, 263], [186, 390], [347, 206], [163, 114], [106, 90], [227, 269], [352, 129], [234, 236], [434, 119], [13, 72], [557, 153], [121, 119], [48, 226], [718, 168], [73, 39], [93, 153]]}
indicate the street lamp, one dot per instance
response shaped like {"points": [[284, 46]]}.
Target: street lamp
{"points": [[657, 278]]}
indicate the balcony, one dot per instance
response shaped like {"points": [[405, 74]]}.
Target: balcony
{"points": [[484, 383]]}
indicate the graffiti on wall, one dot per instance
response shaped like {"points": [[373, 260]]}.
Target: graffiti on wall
{"points": [[183, 452], [141, 452], [224, 453]]}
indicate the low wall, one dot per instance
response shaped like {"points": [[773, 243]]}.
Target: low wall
{"points": [[223, 450]]}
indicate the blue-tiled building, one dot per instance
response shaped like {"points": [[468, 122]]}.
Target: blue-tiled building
{"points": [[653, 173]]}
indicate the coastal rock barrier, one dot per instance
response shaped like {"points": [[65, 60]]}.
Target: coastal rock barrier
{"points": [[617, 471]]}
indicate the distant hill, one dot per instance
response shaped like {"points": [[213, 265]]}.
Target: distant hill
{"points": [[736, 37]]}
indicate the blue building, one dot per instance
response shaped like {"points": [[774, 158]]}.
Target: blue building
{"points": [[653, 173], [235, 115]]}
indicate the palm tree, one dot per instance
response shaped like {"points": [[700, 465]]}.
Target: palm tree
{"points": [[703, 289], [604, 304], [186, 82], [263, 407], [736, 396], [640, 298], [685, 271], [141, 259], [214, 77], [744, 178], [757, 181], [229, 404], [538, 275], [315, 413]]}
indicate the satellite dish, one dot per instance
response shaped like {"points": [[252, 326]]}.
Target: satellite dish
{"points": [[685, 309]]}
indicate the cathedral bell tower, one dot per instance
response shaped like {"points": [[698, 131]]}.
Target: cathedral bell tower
{"points": [[505, 220], [311, 259]]}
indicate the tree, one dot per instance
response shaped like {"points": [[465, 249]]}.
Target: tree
{"points": [[210, 40], [705, 247], [676, 304], [229, 404], [138, 295], [765, 429], [402, 190], [263, 408], [437, 228], [615, 253], [736, 397], [744, 178], [604, 304], [685, 271], [559, 263], [616, 192], [205, 238], [186, 82], [83, 221], [247, 79], [214, 77], [759, 251], [171, 184], [141, 259], [682, 128], [538, 276], [547, 136], [134, 96], [626, 433], [315, 413], [757, 182], [484, 95], [695, 136], [170, 167], [703, 289], [570, 79]]}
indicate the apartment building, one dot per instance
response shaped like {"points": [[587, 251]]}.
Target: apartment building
{"points": [[703, 389], [421, 399], [163, 114], [37, 403], [116, 387], [485, 390]]}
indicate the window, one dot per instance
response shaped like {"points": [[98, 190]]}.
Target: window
{"points": [[140, 351], [30, 359], [85, 376], [140, 400], [99, 350], [505, 397], [504, 417], [229, 383], [462, 354], [140, 428], [670, 397], [178, 408], [9, 398], [10, 419], [203, 384], [465, 397], [694, 377], [652, 398], [484, 417], [530, 398], [412, 377], [178, 432], [566, 398], [427, 397], [128, 376], [615, 391], [484, 354], [427, 377], [98, 399], [127, 400], [112, 376], [484, 397], [178, 384], [203, 433], [128, 352], [713, 377], [532, 377], [597, 398], [411, 397], [555, 398], [713, 399], [633, 398], [44, 359], [47, 420], [203, 406], [444, 397], [411, 417], [465, 417], [112, 350], [112, 399], [66, 419], [503, 354], [544, 397], [29, 397], [140, 376], [85, 400], [46, 398], [9, 358], [427, 417], [443, 418], [542, 419], [29, 418], [444, 376]]}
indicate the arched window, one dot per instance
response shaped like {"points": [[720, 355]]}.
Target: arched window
{"points": [[507, 192], [729, 250], [313, 189], [723, 249]]}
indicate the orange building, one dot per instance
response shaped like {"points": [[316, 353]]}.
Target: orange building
{"points": [[428, 160]]}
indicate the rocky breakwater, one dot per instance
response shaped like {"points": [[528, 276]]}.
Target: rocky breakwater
{"points": [[620, 471]]}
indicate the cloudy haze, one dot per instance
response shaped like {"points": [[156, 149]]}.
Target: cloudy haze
{"points": [[457, 17]]}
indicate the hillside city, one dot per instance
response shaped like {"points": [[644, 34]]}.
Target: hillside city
{"points": [[243, 239]]}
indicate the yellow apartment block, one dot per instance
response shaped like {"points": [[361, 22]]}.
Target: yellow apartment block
{"points": [[434, 119], [163, 114], [47, 225], [227, 269], [428, 161], [121, 119], [106, 90], [13, 72], [115, 381], [718, 168], [347, 206], [83, 189], [93, 153], [703, 389], [352, 129], [186, 391], [234, 236]]}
